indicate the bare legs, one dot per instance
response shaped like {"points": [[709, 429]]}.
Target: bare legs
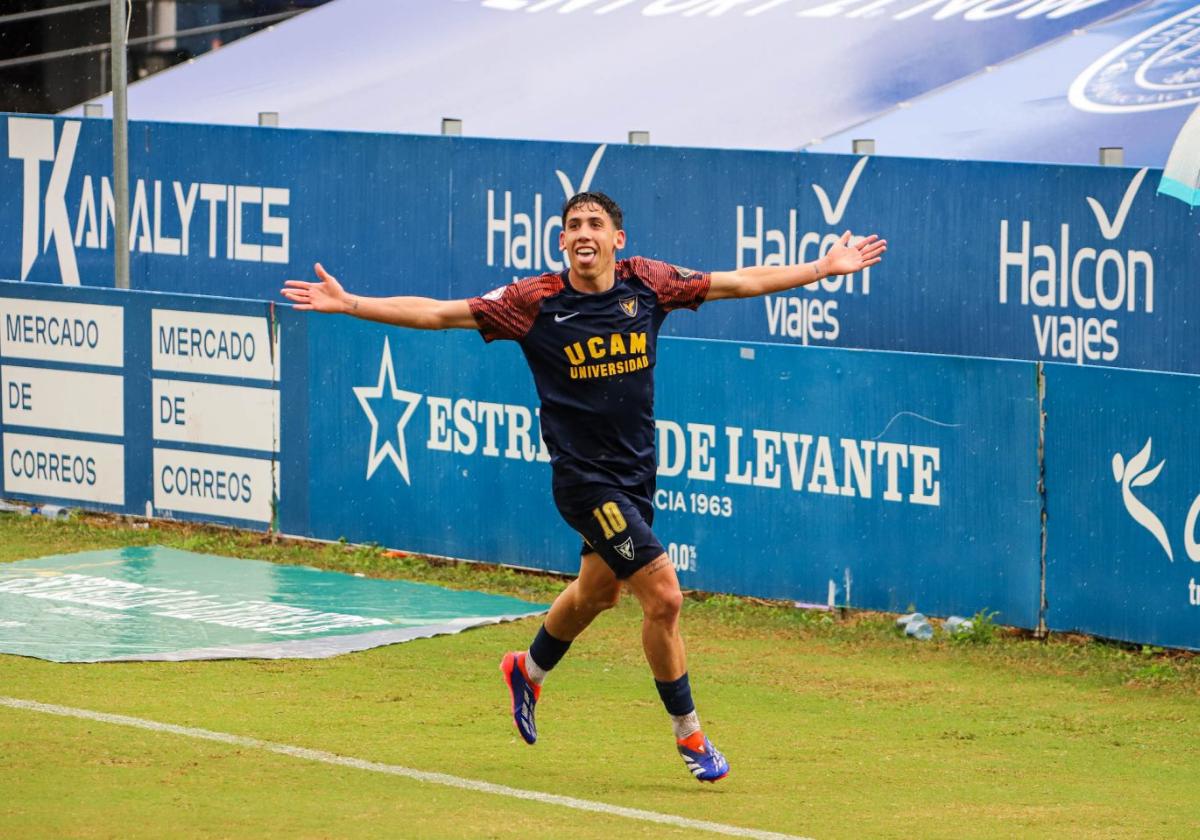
{"points": [[597, 589], [656, 587]]}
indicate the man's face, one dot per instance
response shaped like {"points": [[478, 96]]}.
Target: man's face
{"points": [[590, 241]]}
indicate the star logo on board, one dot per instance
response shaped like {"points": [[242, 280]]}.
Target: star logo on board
{"points": [[382, 398]]}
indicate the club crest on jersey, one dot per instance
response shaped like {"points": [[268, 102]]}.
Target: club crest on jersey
{"points": [[629, 305], [684, 273], [625, 549]]}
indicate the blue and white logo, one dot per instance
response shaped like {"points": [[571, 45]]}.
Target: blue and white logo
{"points": [[1133, 473], [241, 222], [1158, 68], [527, 239], [385, 394]]}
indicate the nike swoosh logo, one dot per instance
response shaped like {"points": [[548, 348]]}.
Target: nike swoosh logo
{"points": [[833, 214], [558, 319], [1112, 229]]}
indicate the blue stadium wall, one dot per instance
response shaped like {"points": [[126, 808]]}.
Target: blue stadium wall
{"points": [[1060, 263], [893, 479]]}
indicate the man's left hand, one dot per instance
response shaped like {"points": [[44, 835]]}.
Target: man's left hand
{"points": [[845, 258]]}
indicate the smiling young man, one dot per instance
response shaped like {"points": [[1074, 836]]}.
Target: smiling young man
{"points": [[589, 335]]}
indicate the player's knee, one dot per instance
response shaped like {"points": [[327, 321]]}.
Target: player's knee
{"points": [[611, 596], [599, 599], [607, 600], [664, 607]]}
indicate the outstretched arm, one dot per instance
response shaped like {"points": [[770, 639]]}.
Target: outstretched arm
{"points": [[842, 258], [421, 313]]}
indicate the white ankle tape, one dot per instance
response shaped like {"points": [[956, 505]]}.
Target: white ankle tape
{"points": [[685, 725], [535, 671]]}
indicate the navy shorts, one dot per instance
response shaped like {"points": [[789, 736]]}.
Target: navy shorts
{"points": [[614, 522]]}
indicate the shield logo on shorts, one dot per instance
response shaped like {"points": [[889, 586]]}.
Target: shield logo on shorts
{"points": [[625, 549], [630, 306]]}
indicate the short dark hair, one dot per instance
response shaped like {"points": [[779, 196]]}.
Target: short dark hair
{"points": [[600, 200]]}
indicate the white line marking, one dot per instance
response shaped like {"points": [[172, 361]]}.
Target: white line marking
{"points": [[396, 770]]}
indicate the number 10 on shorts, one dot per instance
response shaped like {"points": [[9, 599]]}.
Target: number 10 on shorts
{"points": [[611, 520]]}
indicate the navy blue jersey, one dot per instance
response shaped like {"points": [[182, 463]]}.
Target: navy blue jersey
{"points": [[592, 358]]}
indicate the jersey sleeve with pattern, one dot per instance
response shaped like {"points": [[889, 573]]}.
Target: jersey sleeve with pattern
{"points": [[508, 312], [676, 287]]}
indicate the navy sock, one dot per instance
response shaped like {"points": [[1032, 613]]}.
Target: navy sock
{"points": [[547, 650], [676, 696]]}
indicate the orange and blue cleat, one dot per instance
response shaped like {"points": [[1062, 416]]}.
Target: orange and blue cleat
{"points": [[703, 760], [525, 693]]}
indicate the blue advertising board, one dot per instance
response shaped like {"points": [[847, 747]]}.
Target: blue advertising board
{"points": [[901, 479], [889, 480], [1123, 498], [1060, 263]]}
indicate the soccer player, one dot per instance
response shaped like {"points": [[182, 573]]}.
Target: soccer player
{"points": [[589, 335]]}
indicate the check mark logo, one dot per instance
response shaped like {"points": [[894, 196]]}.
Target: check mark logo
{"points": [[558, 319], [1112, 229], [588, 175], [833, 215]]}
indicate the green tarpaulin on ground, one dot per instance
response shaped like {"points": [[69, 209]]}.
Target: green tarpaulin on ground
{"points": [[164, 604]]}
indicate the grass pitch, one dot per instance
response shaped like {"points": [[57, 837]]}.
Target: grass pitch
{"points": [[835, 728]]}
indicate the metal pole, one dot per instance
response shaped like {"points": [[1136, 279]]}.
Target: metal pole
{"points": [[120, 127]]}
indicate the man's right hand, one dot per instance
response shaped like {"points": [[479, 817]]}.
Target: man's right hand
{"points": [[327, 295]]}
